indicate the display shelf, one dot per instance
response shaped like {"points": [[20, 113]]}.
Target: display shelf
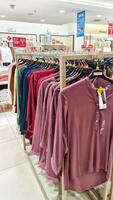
{"points": [[52, 47], [59, 41]]}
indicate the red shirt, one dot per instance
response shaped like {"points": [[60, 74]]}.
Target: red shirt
{"points": [[34, 84]]}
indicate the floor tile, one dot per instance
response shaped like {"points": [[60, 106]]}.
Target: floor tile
{"points": [[13, 124], [2, 115], [15, 130], [11, 155], [10, 114], [3, 121], [20, 141], [19, 183], [12, 121], [6, 133]]}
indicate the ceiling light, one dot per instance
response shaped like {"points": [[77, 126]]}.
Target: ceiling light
{"points": [[61, 11], [98, 16], [2, 16], [42, 20]]}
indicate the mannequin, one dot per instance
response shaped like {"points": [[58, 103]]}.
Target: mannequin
{"points": [[6, 55]]}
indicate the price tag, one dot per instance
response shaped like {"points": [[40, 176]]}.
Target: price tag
{"points": [[102, 98]]}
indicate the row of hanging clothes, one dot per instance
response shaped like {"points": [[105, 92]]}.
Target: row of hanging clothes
{"points": [[74, 125]]}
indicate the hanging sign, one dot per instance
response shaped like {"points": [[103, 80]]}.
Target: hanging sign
{"points": [[81, 24], [110, 29], [19, 42]]}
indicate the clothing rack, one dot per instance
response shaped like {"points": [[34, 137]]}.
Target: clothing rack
{"points": [[35, 55], [62, 58]]}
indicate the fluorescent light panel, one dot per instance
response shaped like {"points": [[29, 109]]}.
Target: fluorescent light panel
{"points": [[98, 16], [2, 16], [61, 11], [42, 20]]}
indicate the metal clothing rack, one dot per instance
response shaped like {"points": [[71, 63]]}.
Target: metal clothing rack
{"points": [[63, 58]]}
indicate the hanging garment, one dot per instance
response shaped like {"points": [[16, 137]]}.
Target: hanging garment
{"points": [[27, 72], [83, 135], [44, 128], [44, 134], [34, 84], [39, 114]]}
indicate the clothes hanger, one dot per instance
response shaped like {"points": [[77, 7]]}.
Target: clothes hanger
{"points": [[70, 71], [81, 72], [99, 73], [73, 69], [74, 78], [78, 73]]}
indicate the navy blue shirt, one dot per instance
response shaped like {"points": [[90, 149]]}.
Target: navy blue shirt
{"points": [[24, 96]]}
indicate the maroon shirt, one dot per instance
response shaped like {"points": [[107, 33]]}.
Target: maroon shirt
{"points": [[34, 84], [80, 138], [39, 116]]}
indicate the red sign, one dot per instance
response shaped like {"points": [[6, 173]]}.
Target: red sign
{"points": [[110, 29], [9, 38], [19, 42]]}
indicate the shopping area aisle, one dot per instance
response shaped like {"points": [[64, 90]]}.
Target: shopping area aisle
{"points": [[17, 181]]}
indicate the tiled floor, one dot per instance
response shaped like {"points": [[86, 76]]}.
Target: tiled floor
{"points": [[17, 181]]}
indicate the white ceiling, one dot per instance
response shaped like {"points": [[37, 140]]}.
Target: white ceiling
{"points": [[49, 10]]}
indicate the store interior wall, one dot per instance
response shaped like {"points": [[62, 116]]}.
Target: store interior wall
{"points": [[95, 30], [30, 28], [70, 28]]}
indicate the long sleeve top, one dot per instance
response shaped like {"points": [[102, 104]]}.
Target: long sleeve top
{"points": [[34, 85], [83, 135]]}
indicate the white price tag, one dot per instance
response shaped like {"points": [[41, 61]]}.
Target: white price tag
{"points": [[102, 98]]}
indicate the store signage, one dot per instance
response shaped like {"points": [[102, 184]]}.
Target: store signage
{"points": [[100, 29], [110, 29], [9, 38], [19, 42], [81, 24]]}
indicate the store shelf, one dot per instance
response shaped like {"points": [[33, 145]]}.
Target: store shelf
{"points": [[53, 47], [60, 41]]}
